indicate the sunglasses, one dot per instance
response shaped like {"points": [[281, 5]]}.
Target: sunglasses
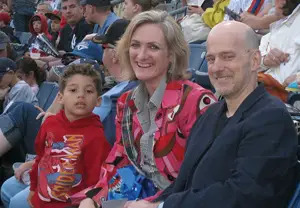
{"points": [[107, 45]]}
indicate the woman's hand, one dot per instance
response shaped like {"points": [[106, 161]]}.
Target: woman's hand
{"points": [[275, 57], [87, 203], [29, 198], [141, 204]]}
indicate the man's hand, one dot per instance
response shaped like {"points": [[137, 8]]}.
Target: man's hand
{"points": [[31, 193], [275, 57], [141, 204], [89, 36], [194, 9], [87, 203]]}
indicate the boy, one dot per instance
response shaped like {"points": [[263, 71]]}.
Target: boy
{"points": [[55, 18], [19, 89], [71, 145]]}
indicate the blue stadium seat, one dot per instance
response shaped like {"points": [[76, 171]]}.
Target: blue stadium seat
{"points": [[46, 94], [197, 56]]}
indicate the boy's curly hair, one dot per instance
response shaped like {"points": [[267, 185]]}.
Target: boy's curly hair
{"points": [[82, 69]]}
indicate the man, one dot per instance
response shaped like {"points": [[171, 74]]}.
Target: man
{"points": [[4, 41], [43, 8], [99, 13], [76, 28], [242, 151], [22, 12]]}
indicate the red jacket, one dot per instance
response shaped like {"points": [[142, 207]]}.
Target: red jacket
{"points": [[69, 158]]}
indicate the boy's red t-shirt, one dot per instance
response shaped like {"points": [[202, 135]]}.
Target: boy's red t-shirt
{"points": [[69, 158]]}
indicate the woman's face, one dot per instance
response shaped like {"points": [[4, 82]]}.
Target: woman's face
{"points": [[149, 54], [279, 5]]}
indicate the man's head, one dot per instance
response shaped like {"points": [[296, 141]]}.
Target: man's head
{"points": [[134, 7], [80, 88], [96, 10], [72, 11], [43, 8], [233, 59], [4, 41], [109, 41], [7, 72]]}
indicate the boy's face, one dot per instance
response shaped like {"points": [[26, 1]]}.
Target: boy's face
{"points": [[55, 25], [37, 26], [79, 97]]}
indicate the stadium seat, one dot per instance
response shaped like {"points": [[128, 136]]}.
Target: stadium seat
{"points": [[197, 57], [46, 94]]}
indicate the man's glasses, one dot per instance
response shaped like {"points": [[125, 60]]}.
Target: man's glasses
{"points": [[108, 45]]}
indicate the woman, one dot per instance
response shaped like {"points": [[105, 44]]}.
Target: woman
{"points": [[154, 120], [30, 73], [134, 7]]}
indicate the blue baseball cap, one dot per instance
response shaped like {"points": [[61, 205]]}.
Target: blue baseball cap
{"points": [[6, 65], [87, 49]]}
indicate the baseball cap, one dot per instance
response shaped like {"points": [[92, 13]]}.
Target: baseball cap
{"points": [[4, 40], [97, 3], [87, 49], [5, 17], [113, 33], [53, 15], [6, 65]]}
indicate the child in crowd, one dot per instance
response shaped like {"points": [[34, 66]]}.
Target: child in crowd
{"points": [[71, 145], [29, 71], [16, 89], [38, 25], [55, 18]]}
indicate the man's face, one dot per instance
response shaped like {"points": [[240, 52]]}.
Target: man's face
{"points": [[88, 13], [229, 67], [55, 25], [6, 80], [41, 9], [72, 11], [37, 26], [278, 5], [129, 9]]}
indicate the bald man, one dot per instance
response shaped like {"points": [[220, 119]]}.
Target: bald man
{"points": [[242, 152]]}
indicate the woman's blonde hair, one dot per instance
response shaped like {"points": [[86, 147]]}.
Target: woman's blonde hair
{"points": [[177, 46]]}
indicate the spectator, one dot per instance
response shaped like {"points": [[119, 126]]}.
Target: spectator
{"points": [[55, 18], [5, 48], [31, 73], [19, 89], [68, 143], [134, 7], [242, 151], [22, 12], [4, 25], [4, 42], [98, 13], [38, 25], [280, 49], [43, 8], [76, 28], [154, 120]]}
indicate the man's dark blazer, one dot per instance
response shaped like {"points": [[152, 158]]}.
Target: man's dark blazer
{"points": [[250, 164]]}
